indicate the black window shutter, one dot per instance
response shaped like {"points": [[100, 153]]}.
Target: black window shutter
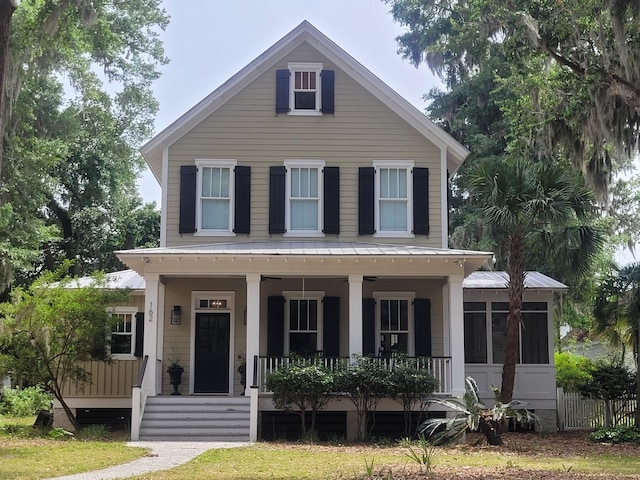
{"points": [[139, 347], [331, 200], [331, 326], [188, 190], [275, 326], [366, 178], [422, 318], [277, 184], [242, 220], [282, 91], [328, 79], [368, 326], [421, 201]]}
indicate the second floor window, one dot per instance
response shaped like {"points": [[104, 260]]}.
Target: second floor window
{"points": [[304, 197], [215, 185], [305, 88], [393, 206]]}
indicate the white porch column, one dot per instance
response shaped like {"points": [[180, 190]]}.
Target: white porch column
{"points": [[253, 350], [153, 309], [456, 334], [355, 315], [253, 326]]}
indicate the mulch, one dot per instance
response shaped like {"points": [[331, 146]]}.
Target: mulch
{"points": [[516, 445]]}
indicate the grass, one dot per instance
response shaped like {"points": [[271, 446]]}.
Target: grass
{"points": [[27, 453]]}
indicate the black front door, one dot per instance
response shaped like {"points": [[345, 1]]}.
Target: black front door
{"points": [[212, 353]]}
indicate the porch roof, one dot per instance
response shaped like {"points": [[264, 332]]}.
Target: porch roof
{"points": [[307, 248], [499, 280], [278, 249]]}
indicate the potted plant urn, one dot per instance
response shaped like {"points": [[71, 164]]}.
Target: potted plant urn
{"points": [[175, 375]]}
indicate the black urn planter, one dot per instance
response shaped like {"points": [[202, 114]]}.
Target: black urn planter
{"points": [[175, 377]]}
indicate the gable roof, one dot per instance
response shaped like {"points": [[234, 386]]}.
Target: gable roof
{"points": [[499, 280], [152, 151]]}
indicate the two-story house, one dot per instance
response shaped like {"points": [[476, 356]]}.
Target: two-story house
{"points": [[304, 210]]}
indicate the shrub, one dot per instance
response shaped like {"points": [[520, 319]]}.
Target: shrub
{"points": [[410, 386], [301, 386], [365, 382], [572, 370], [617, 434], [24, 402]]}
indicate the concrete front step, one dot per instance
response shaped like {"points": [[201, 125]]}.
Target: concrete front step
{"points": [[196, 419]]}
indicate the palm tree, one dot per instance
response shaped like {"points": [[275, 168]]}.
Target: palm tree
{"points": [[540, 207], [617, 312]]}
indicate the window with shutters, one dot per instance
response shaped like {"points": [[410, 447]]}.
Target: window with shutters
{"points": [[303, 321], [123, 330], [305, 88], [485, 331], [303, 208], [394, 323], [214, 208], [393, 198]]}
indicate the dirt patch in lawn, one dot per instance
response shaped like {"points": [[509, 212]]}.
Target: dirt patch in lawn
{"points": [[517, 448]]}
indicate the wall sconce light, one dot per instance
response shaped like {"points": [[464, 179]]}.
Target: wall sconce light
{"points": [[176, 315]]}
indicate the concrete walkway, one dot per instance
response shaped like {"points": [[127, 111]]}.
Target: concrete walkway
{"points": [[162, 456]]}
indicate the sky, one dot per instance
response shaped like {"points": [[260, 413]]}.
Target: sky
{"points": [[208, 41]]}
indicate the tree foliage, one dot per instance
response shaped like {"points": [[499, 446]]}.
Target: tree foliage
{"points": [[573, 68], [77, 105], [572, 370], [617, 312], [51, 327], [527, 206]]}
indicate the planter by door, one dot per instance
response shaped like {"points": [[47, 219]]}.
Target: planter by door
{"points": [[175, 377]]}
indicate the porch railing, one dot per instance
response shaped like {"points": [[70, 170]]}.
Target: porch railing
{"points": [[438, 367]]}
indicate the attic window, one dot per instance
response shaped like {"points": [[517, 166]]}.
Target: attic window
{"points": [[305, 89]]}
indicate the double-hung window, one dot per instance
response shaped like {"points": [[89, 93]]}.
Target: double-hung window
{"points": [[304, 187], [393, 198], [123, 332], [394, 324], [215, 196], [304, 326], [305, 88]]}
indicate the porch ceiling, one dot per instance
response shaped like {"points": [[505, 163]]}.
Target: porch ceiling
{"points": [[303, 257]]}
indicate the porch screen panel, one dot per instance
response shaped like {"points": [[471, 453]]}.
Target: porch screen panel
{"points": [[533, 334], [475, 332], [331, 326], [499, 315], [422, 316], [275, 326]]}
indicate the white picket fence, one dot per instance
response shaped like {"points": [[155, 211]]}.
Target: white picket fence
{"points": [[576, 412]]}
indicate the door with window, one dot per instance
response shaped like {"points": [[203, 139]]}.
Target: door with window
{"points": [[212, 339]]}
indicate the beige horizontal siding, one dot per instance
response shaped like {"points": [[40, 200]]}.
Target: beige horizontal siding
{"points": [[362, 130]]}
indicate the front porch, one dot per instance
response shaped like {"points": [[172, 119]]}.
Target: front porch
{"points": [[245, 308]]}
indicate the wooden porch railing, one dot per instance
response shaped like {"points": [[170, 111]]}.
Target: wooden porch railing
{"points": [[438, 367], [138, 401]]}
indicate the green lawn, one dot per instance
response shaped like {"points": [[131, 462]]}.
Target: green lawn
{"points": [[27, 454]]}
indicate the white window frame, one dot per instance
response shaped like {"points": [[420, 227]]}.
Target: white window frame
{"points": [[407, 296], [125, 311], [215, 163], [318, 296], [311, 164], [394, 164], [305, 67]]}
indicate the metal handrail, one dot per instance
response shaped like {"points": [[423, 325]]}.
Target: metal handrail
{"points": [[141, 372]]}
